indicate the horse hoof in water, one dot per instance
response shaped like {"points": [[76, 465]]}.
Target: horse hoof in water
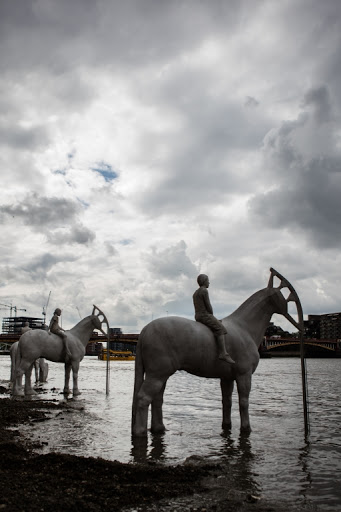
{"points": [[19, 392], [226, 426], [30, 392]]}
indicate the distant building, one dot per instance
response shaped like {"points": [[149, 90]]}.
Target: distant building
{"points": [[14, 324], [324, 327], [330, 326], [312, 327]]}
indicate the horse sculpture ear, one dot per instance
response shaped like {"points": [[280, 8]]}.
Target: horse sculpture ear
{"points": [[271, 278]]}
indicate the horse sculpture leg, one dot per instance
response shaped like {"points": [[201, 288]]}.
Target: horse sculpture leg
{"points": [[75, 368], [157, 426], [28, 386], [17, 384], [66, 390], [36, 369], [244, 388], [149, 390], [25, 367], [226, 391]]}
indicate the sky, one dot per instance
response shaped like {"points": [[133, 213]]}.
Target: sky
{"points": [[144, 142]]}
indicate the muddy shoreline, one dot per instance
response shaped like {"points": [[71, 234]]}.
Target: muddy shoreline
{"points": [[57, 482]]}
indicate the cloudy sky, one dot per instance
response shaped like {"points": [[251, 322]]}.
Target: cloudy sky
{"points": [[146, 141]]}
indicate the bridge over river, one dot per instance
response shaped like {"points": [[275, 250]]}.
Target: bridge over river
{"points": [[273, 346]]}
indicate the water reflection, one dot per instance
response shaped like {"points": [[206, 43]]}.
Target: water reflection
{"points": [[303, 462], [141, 453], [239, 460]]}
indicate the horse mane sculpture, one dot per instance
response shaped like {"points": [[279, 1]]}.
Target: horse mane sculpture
{"points": [[174, 343], [38, 343]]}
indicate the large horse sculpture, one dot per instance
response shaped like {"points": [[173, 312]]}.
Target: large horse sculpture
{"points": [[39, 343], [174, 343]]}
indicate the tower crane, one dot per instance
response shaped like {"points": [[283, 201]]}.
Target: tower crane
{"points": [[12, 308], [45, 307]]}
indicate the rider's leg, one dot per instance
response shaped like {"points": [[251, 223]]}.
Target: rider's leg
{"points": [[68, 355], [223, 354]]}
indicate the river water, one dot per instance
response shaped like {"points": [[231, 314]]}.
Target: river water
{"points": [[274, 460]]}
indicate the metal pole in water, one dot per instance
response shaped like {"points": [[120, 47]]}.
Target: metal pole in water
{"points": [[304, 386], [300, 325], [108, 364], [303, 366], [104, 321]]}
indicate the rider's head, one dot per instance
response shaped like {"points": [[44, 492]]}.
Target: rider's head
{"points": [[201, 279], [58, 312]]}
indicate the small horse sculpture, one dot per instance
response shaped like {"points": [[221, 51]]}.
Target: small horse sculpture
{"points": [[174, 343], [39, 343]]}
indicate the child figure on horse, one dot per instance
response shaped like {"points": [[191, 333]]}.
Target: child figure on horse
{"points": [[204, 314], [56, 329]]}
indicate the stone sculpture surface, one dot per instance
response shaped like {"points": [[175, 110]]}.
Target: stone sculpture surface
{"points": [[174, 343], [204, 314], [41, 367], [39, 343], [54, 328]]}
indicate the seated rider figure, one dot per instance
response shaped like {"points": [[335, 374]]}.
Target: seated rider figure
{"points": [[204, 314], [56, 329]]}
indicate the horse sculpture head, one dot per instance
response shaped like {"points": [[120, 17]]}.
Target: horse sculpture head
{"points": [[99, 319], [96, 322], [282, 302]]}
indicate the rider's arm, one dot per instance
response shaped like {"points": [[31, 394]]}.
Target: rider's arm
{"points": [[207, 303]]}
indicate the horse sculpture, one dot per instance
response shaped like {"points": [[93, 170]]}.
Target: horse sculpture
{"points": [[40, 366], [174, 343], [38, 343]]}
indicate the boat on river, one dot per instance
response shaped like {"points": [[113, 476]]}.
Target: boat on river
{"points": [[116, 355]]}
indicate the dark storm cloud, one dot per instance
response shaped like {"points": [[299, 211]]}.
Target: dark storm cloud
{"points": [[42, 33], [21, 138], [42, 263], [202, 164], [306, 173], [319, 100], [77, 234], [56, 217], [37, 211], [38, 267]]}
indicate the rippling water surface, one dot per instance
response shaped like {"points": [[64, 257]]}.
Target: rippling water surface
{"points": [[275, 459]]}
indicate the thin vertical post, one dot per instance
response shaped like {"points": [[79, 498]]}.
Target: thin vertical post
{"points": [[108, 365], [104, 321], [303, 366], [300, 325], [304, 385]]}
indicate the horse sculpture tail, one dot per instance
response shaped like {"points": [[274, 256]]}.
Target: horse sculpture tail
{"points": [[13, 353], [139, 375], [15, 360]]}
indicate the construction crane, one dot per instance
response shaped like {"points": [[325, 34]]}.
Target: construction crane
{"points": [[10, 307], [45, 307]]}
